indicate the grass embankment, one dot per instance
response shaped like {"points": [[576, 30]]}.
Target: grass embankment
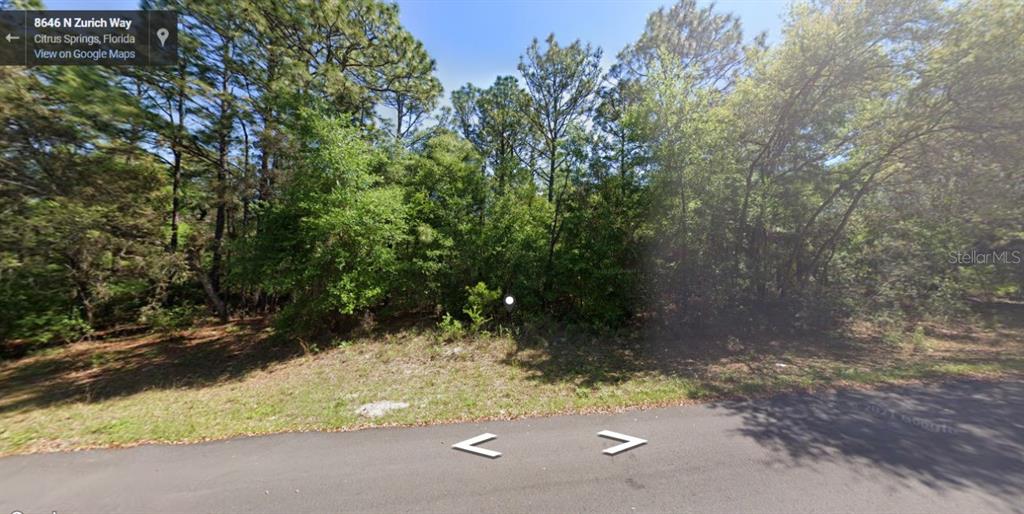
{"points": [[225, 380]]}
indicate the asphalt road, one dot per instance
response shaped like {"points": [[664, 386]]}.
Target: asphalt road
{"points": [[957, 447]]}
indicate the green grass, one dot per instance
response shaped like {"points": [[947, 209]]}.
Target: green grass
{"points": [[218, 382]]}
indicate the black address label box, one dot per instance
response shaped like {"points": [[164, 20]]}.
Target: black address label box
{"points": [[107, 38]]}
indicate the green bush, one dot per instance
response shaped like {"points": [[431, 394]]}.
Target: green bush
{"points": [[480, 303], [170, 318], [329, 242], [49, 327], [451, 328]]}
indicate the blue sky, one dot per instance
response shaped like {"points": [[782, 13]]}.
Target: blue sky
{"points": [[477, 40]]}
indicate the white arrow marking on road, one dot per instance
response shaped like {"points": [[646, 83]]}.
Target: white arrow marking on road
{"points": [[468, 446], [12, 36], [631, 442]]}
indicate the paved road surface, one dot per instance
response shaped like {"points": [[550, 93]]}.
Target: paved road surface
{"points": [[957, 447]]}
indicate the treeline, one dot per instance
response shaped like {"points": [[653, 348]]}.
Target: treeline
{"points": [[298, 160]]}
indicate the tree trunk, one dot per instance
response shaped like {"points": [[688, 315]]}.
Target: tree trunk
{"points": [[224, 129], [195, 263], [552, 164], [175, 199], [176, 170], [219, 223]]}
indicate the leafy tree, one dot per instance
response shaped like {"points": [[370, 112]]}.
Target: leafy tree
{"points": [[330, 244], [464, 114], [80, 233], [287, 163], [562, 82], [447, 198], [504, 131], [701, 42]]}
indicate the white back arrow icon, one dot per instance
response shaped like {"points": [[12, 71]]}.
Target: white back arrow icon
{"points": [[468, 446], [631, 442]]}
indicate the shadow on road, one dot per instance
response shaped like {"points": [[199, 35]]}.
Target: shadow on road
{"points": [[956, 435]]}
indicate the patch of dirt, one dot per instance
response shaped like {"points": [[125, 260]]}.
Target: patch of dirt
{"points": [[122, 365]]}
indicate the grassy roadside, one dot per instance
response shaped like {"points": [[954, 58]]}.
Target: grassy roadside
{"points": [[227, 380]]}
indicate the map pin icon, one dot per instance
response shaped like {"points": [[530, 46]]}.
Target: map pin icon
{"points": [[162, 34]]}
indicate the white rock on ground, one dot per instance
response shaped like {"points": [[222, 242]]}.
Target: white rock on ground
{"points": [[378, 409]]}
